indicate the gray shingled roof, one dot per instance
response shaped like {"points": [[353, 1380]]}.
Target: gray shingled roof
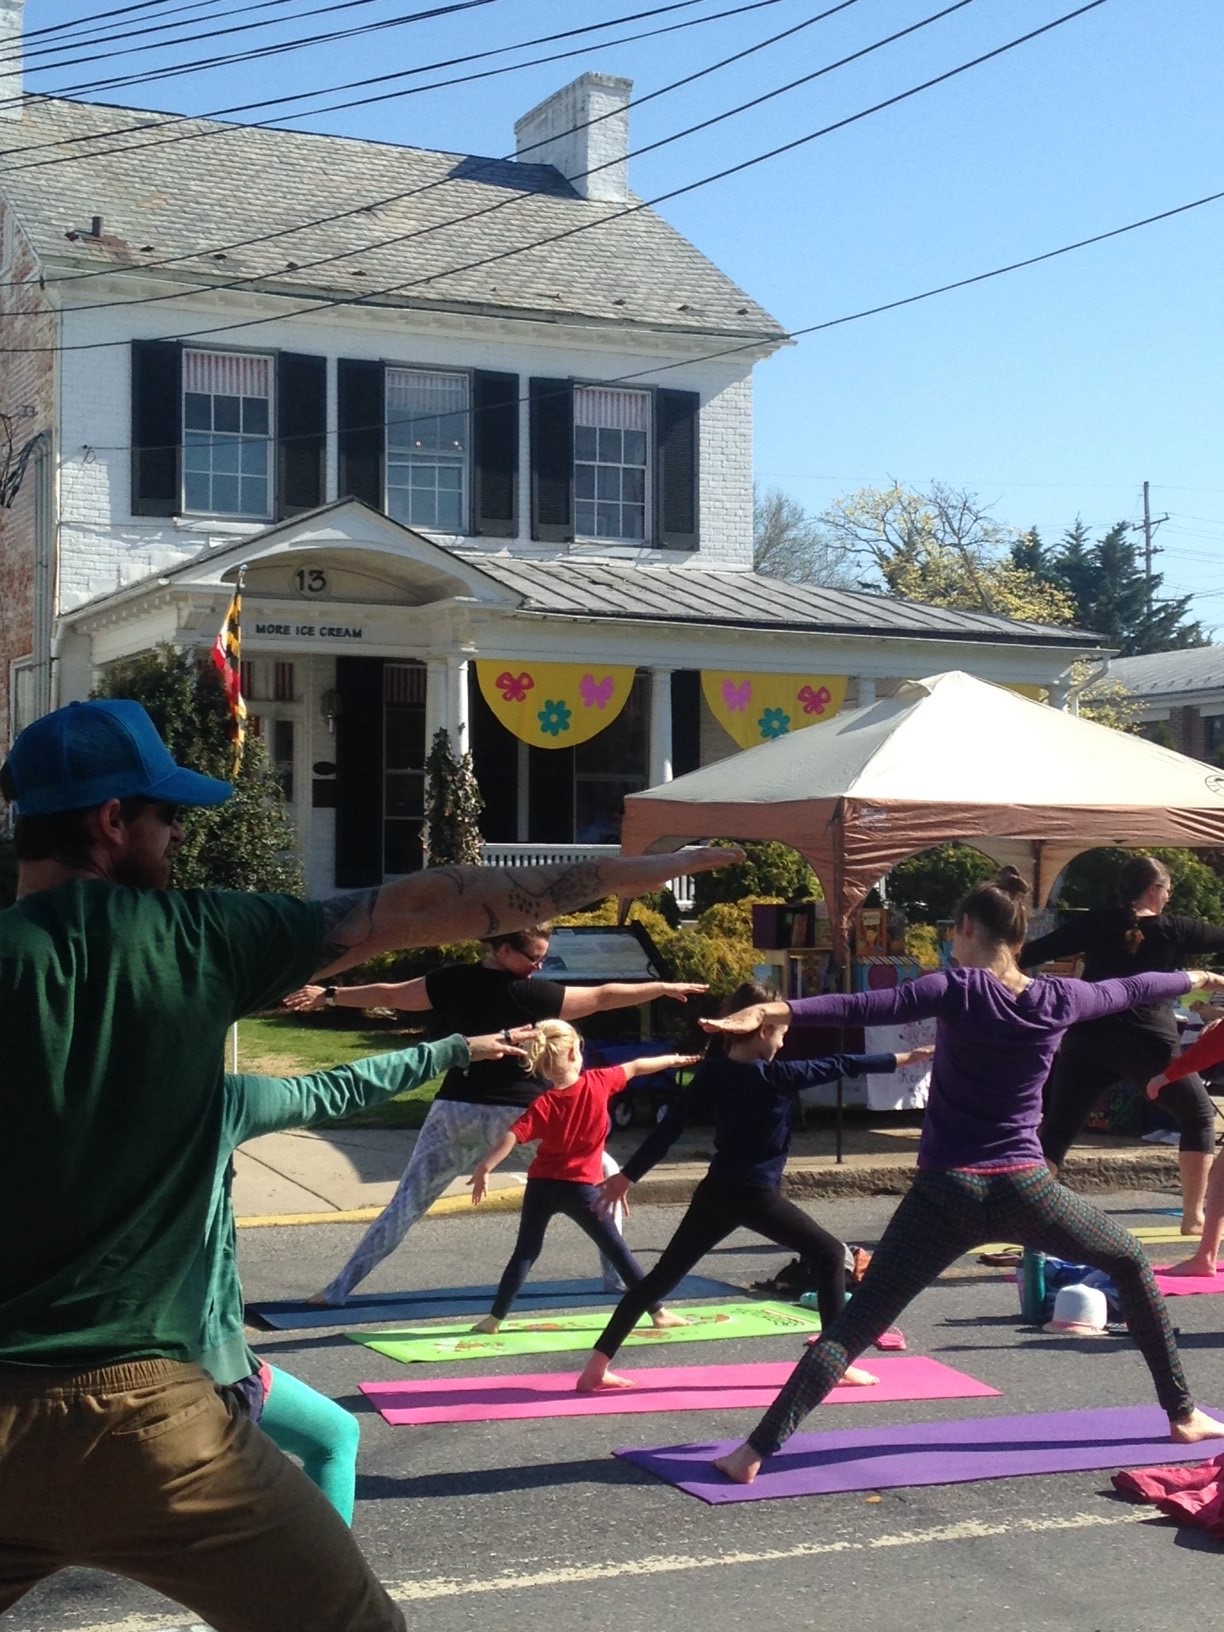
{"points": [[682, 594], [1161, 674], [202, 183]]}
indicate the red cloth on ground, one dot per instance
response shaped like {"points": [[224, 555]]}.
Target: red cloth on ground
{"points": [[572, 1127], [1193, 1493]]}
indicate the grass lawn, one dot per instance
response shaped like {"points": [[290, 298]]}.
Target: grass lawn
{"points": [[283, 1046]]}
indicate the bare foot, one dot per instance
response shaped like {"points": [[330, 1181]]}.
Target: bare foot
{"points": [[1198, 1425], [664, 1317], [856, 1377], [1192, 1226], [1200, 1264], [595, 1375], [320, 1300], [740, 1465], [490, 1326]]}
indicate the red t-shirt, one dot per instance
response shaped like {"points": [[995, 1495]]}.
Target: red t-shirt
{"points": [[572, 1126]]}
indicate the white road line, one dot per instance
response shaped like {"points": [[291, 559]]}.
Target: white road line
{"points": [[437, 1587]]}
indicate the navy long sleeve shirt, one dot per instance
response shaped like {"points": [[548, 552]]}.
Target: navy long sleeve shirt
{"points": [[752, 1104]]}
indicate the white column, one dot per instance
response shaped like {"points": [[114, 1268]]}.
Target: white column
{"points": [[458, 708], [866, 690], [437, 678], [660, 727]]}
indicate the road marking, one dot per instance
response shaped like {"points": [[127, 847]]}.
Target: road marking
{"points": [[437, 1587]]}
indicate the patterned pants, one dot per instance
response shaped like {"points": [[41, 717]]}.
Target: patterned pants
{"points": [[453, 1138], [946, 1213]]}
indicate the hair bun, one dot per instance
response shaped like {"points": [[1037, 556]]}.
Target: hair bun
{"points": [[1011, 883]]}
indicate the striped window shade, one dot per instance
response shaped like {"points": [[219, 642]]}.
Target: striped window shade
{"points": [[404, 684], [434, 406], [227, 374], [611, 410], [283, 682]]}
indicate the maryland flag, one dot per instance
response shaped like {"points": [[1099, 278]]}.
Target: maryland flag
{"points": [[227, 657]]}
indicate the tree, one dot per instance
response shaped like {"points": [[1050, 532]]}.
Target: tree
{"points": [[930, 886], [246, 843], [788, 543], [943, 547], [771, 871], [453, 805]]}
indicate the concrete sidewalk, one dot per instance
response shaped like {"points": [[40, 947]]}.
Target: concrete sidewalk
{"points": [[347, 1175]]}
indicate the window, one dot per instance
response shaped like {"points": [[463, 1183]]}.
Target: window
{"points": [[428, 439], [609, 766], [611, 450], [403, 766], [280, 752], [283, 682], [227, 433]]}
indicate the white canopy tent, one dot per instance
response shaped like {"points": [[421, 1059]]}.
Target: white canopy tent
{"points": [[948, 757]]}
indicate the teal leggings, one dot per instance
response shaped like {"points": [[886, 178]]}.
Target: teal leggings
{"points": [[321, 1434]]}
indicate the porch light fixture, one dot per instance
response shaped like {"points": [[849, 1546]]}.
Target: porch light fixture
{"points": [[329, 707]]}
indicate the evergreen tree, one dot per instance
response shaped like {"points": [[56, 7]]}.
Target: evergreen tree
{"points": [[453, 804], [246, 843], [1112, 596]]}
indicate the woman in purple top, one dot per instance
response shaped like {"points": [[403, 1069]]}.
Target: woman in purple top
{"points": [[981, 1172]]}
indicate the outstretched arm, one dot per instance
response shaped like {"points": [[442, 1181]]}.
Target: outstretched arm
{"points": [[409, 995], [580, 1001], [467, 903], [650, 1063]]}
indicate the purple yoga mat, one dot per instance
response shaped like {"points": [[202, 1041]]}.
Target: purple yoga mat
{"points": [[932, 1453]]}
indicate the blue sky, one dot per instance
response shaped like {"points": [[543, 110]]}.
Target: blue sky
{"points": [[1053, 391]]}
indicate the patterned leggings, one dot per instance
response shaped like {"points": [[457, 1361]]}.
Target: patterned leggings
{"points": [[945, 1213], [453, 1138]]}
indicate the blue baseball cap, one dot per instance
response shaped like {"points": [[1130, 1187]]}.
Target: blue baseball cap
{"points": [[80, 756]]}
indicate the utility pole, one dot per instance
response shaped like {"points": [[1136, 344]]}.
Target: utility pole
{"points": [[1148, 527]]}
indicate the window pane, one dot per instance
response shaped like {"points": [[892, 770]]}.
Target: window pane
{"points": [[584, 481], [607, 522], [449, 512], [225, 495], [226, 414], [609, 447], [585, 442], [405, 738], [255, 416], [633, 486], [609, 482], [197, 411], [405, 795], [450, 478], [635, 448], [402, 851], [195, 490], [254, 496], [633, 520], [584, 519], [197, 454], [225, 456], [254, 458]]}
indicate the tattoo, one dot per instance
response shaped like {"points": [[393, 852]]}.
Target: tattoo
{"points": [[565, 889], [348, 921]]}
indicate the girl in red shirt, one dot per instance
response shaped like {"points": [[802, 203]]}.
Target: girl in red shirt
{"points": [[571, 1123]]}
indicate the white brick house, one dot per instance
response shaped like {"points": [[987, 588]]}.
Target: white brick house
{"points": [[480, 434]]}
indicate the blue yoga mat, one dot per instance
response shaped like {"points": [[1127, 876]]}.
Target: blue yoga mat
{"points": [[451, 1302]]}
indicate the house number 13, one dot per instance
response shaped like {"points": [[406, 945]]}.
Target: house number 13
{"points": [[310, 580]]}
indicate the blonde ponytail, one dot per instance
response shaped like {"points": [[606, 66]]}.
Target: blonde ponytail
{"points": [[550, 1048]]}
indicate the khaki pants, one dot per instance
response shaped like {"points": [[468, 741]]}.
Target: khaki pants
{"points": [[140, 1469]]}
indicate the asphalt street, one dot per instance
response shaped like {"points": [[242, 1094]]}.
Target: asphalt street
{"points": [[536, 1521]]}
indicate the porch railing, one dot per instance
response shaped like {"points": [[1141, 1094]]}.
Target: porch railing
{"points": [[554, 855]]}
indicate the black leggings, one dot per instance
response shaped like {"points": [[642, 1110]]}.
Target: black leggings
{"points": [[543, 1199], [1089, 1064], [944, 1214], [718, 1207]]}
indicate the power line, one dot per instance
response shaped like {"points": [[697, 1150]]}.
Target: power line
{"points": [[378, 79], [24, 53], [101, 16], [516, 200], [796, 143]]}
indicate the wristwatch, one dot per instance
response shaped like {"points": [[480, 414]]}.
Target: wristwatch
{"points": [[329, 997]]}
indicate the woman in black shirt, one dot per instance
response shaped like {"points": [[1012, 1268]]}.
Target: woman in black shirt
{"points": [[1138, 937]]}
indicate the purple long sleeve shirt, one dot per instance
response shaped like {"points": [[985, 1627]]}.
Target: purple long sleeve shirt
{"points": [[993, 1050]]}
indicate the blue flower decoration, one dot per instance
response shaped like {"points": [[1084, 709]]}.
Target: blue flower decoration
{"points": [[773, 723], [554, 718]]}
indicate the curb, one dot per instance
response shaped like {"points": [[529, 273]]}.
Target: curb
{"points": [[1140, 1170]]}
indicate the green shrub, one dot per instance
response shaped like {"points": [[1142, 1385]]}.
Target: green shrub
{"points": [[769, 871], [1091, 880], [931, 886], [922, 942]]}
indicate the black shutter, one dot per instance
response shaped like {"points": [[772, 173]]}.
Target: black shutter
{"points": [[359, 772], [495, 452], [676, 452], [362, 424], [157, 428], [301, 432], [686, 720], [552, 461]]}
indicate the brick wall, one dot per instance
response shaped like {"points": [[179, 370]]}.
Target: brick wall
{"points": [[27, 382]]}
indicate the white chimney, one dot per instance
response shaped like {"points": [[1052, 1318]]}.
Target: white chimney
{"points": [[582, 130], [11, 31]]}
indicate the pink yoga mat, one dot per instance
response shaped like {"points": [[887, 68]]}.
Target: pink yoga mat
{"points": [[1185, 1286], [659, 1388]]}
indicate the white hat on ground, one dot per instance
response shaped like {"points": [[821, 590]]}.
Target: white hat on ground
{"points": [[1079, 1310]]}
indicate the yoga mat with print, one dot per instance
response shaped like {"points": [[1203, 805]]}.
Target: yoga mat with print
{"points": [[661, 1388], [565, 1334], [930, 1453], [451, 1302]]}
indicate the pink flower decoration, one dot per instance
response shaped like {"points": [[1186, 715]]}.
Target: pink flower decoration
{"points": [[815, 702], [595, 694], [514, 687], [737, 697]]}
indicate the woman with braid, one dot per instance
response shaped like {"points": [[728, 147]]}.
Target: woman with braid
{"points": [[981, 1171]]}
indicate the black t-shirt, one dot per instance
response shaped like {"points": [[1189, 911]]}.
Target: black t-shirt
{"points": [[1169, 942], [474, 1000]]}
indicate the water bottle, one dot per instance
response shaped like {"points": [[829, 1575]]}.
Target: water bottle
{"points": [[1033, 1286], [809, 1300]]}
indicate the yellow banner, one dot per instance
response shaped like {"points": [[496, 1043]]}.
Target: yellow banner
{"points": [[754, 708], [553, 705]]}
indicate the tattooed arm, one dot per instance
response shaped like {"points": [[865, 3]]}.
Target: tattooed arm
{"points": [[466, 903]]}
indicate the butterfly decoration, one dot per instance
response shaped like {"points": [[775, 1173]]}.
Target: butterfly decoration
{"points": [[514, 687], [595, 694], [736, 697], [815, 702]]}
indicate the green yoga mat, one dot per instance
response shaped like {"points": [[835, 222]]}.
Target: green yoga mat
{"points": [[562, 1334]]}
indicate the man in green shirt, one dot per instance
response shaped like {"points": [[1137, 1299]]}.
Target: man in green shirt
{"points": [[115, 996]]}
